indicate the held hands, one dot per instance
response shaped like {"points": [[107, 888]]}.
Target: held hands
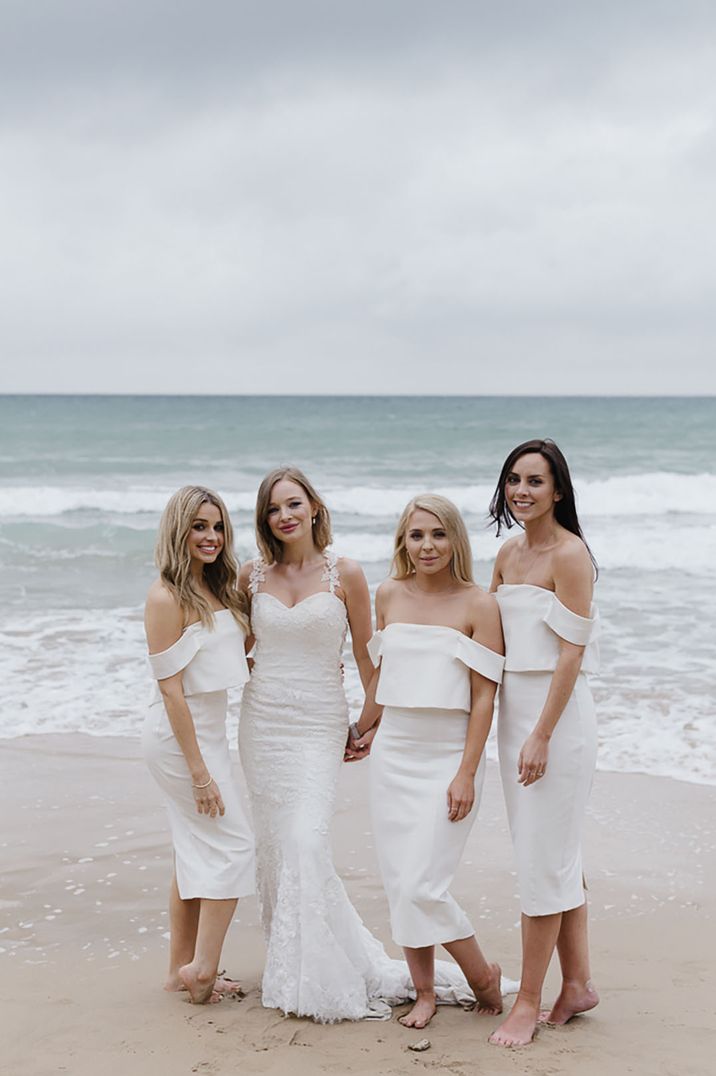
{"points": [[460, 797], [532, 762], [357, 750], [208, 799]]}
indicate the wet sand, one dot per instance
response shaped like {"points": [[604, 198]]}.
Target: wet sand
{"points": [[83, 925]]}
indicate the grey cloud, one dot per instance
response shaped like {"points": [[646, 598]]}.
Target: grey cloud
{"points": [[312, 195]]}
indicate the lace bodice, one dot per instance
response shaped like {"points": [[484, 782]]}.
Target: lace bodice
{"points": [[330, 575], [210, 659], [301, 643]]}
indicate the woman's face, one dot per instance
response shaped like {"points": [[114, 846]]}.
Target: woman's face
{"points": [[206, 537], [427, 543], [529, 488], [290, 512]]}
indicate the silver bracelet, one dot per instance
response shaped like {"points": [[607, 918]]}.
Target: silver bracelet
{"points": [[353, 731], [205, 785]]}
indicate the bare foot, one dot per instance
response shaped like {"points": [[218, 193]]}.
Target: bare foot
{"points": [[420, 1015], [518, 1029], [224, 985], [488, 994], [200, 986], [573, 1000]]}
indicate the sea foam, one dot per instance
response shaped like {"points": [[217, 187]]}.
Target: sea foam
{"points": [[658, 493]]}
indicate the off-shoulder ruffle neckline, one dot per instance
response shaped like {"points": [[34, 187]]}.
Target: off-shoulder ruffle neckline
{"points": [[198, 623], [432, 627]]}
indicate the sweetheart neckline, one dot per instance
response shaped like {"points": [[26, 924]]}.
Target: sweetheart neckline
{"points": [[316, 594]]}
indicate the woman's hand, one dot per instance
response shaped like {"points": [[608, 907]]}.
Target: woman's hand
{"points": [[357, 750], [460, 797], [208, 800], [532, 762]]}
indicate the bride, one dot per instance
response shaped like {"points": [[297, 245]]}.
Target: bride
{"points": [[321, 960]]}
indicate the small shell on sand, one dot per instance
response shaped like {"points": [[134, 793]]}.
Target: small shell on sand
{"points": [[420, 1045]]}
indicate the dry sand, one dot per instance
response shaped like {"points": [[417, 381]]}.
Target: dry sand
{"points": [[86, 863]]}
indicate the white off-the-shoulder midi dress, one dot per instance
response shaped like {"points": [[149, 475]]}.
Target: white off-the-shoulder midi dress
{"points": [[424, 687], [546, 817], [214, 857]]}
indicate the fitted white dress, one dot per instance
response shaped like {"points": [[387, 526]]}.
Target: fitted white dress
{"points": [[424, 687], [546, 817], [321, 960], [214, 857]]}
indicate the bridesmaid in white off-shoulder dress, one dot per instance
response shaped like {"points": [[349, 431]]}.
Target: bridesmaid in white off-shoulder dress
{"points": [[321, 961], [196, 631], [547, 733], [439, 647]]}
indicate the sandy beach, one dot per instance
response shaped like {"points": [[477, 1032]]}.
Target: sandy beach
{"points": [[86, 863]]}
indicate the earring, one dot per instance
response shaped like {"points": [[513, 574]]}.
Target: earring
{"points": [[313, 521]]}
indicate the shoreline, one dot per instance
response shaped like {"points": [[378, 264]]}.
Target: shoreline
{"points": [[86, 857], [26, 738]]}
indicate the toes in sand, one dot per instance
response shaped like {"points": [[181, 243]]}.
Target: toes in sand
{"points": [[420, 1015], [519, 1029]]}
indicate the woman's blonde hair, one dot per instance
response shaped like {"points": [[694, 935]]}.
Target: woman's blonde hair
{"points": [[174, 561], [452, 521], [270, 548]]}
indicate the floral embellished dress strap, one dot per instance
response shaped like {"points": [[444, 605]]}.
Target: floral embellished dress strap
{"points": [[258, 575], [331, 574]]}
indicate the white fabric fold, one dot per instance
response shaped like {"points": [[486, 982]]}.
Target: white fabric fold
{"points": [[533, 622], [210, 659], [176, 657], [425, 666], [576, 629], [486, 662], [375, 647]]}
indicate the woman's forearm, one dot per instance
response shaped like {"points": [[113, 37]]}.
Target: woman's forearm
{"points": [[561, 687], [182, 725], [366, 668], [372, 711], [478, 729]]}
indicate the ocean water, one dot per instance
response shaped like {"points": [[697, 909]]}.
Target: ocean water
{"points": [[83, 481]]}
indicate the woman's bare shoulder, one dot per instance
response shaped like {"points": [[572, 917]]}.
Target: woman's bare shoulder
{"points": [[245, 573], [163, 617], [572, 556], [349, 570], [388, 588], [160, 597], [506, 550], [481, 605]]}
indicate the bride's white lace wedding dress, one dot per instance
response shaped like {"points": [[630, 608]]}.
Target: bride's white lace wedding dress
{"points": [[321, 960]]}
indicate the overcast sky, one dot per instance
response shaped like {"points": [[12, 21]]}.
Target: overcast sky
{"points": [[338, 196]]}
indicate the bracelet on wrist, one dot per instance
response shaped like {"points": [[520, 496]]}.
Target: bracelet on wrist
{"points": [[205, 785], [353, 731]]}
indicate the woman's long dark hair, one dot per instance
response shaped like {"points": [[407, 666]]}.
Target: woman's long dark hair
{"points": [[565, 509]]}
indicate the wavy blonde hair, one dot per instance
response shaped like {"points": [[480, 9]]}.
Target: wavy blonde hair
{"points": [[172, 558], [270, 548], [452, 521]]}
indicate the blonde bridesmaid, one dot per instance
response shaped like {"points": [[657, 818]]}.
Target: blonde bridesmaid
{"points": [[196, 627]]}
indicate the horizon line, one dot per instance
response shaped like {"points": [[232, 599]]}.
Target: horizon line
{"points": [[367, 395]]}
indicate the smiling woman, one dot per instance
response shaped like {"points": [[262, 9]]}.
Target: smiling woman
{"points": [[547, 730], [321, 961], [195, 627]]}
